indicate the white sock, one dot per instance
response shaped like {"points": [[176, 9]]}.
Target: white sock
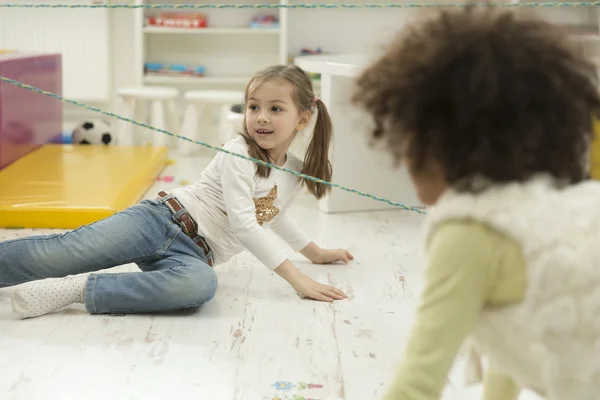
{"points": [[40, 297]]}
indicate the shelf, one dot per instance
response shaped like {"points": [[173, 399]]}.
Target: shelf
{"points": [[196, 80], [212, 31], [584, 33], [174, 80], [231, 48], [586, 37]]}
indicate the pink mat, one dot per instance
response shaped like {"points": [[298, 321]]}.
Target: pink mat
{"points": [[28, 119]]}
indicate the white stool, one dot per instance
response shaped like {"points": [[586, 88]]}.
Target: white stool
{"points": [[198, 119], [235, 119], [163, 115]]}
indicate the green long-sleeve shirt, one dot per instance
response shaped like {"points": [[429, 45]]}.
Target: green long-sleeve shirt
{"points": [[471, 267]]}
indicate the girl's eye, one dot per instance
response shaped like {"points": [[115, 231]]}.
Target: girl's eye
{"points": [[277, 109], [252, 107]]}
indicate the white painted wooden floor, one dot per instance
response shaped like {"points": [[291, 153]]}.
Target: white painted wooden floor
{"points": [[255, 333]]}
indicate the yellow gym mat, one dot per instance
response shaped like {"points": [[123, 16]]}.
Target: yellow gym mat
{"points": [[65, 186], [595, 152]]}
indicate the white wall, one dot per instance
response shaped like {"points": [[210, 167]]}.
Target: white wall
{"points": [[121, 61], [80, 35]]}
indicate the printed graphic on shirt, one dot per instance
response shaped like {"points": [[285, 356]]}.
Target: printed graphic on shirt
{"points": [[265, 210]]}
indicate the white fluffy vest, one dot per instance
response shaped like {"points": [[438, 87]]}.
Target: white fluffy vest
{"points": [[550, 343]]}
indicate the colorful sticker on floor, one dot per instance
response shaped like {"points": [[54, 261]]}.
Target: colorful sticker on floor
{"points": [[279, 385], [302, 385], [165, 178], [288, 396]]}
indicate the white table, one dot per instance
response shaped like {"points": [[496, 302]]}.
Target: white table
{"points": [[356, 165]]}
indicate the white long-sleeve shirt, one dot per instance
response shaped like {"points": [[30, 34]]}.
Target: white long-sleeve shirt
{"points": [[233, 207]]}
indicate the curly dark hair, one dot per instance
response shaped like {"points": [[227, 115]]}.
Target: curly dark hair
{"points": [[484, 93]]}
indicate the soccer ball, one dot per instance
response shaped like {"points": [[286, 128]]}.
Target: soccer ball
{"points": [[95, 131]]}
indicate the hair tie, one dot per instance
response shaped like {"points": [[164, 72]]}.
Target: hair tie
{"points": [[314, 101]]}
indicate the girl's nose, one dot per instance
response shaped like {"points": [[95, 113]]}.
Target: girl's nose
{"points": [[262, 118]]}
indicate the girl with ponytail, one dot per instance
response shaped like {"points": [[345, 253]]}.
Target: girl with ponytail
{"points": [[178, 238]]}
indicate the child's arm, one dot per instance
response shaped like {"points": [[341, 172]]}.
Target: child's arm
{"points": [[238, 185], [463, 260], [237, 182], [287, 229]]}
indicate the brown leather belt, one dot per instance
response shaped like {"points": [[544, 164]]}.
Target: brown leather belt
{"points": [[187, 223]]}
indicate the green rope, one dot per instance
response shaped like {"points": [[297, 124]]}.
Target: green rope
{"points": [[254, 160], [319, 6]]}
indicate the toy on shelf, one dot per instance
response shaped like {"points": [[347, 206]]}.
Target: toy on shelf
{"points": [[306, 52], [173, 20], [174, 69], [264, 21]]}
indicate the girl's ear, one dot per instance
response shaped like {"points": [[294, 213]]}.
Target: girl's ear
{"points": [[304, 121]]}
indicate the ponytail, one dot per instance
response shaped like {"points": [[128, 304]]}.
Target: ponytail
{"points": [[316, 159]]}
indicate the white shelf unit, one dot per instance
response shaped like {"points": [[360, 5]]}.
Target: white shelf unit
{"points": [[228, 48], [232, 52]]}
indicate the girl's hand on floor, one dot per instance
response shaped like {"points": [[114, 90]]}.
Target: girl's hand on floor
{"points": [[308, 287], [319, 255], [328, 256]]}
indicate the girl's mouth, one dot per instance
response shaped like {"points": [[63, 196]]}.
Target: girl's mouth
{"points": [[264, 131]]}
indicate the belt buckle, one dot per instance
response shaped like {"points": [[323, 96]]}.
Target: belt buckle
{"points": [[185, 217]]}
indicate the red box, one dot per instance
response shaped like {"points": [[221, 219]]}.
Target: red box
{"points": [[166, 20], [29, 119]]}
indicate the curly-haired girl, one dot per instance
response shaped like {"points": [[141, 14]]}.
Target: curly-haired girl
{"points": [[492, 116]]}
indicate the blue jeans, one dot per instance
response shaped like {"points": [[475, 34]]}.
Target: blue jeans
{"points": [[175, 270]]}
